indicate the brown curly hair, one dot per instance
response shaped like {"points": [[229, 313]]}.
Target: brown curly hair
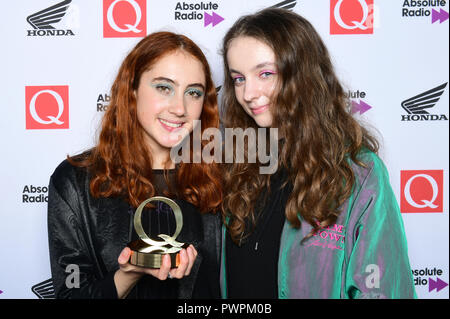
{"points": [[121, 164], [311, 114]]}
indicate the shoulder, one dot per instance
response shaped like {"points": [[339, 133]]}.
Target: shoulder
{"points": [[68, 176], [372, 182], [212, 220], [373, 168], [371, 159], [63, 171]]}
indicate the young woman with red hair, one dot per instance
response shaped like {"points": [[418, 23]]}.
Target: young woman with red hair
{"points": [[162, 87]]}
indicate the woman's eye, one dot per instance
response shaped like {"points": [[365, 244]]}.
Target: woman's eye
{"points": [[238, 80], [165, 89], [266, 74], [194, 93]]}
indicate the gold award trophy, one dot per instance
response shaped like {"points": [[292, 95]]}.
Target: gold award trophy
{"points": [[148, 253]]}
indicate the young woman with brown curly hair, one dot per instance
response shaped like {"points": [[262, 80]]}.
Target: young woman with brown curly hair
{"points": [[162, 87], [326, 224]]}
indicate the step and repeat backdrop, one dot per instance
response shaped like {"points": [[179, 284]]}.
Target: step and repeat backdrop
{"points": [[59, 59]]}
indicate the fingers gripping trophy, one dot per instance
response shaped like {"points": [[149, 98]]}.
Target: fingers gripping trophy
{"points": [[149, 253]]}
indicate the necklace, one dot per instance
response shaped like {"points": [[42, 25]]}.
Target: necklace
{"points": [[263, 217]]}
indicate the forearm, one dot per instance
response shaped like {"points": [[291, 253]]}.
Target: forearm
{"points": [[125, 281]]}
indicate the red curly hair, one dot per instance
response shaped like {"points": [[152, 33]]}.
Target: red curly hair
{"points": [[120, 164]]}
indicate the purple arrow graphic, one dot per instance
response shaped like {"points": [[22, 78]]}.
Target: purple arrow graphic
{"points": [[360, 107], [214, 19], [441, 15], [438, 284], [1, 292]]}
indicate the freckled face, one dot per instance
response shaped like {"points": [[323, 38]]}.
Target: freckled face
{"points": [[169, 98], [253, 69]]}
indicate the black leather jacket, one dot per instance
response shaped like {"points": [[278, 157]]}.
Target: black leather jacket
{"points": [[91, 232]]}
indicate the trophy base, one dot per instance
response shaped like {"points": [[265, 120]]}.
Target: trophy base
{"points": [[150, 260]]}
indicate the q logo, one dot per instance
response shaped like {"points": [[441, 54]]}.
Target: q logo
{"points": [[421, 191], [351, 16], [46, 107], [124, 18]]}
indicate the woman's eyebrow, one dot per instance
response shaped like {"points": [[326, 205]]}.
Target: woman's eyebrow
{"points": [[197, 85], [162, 78], [258, 66]]}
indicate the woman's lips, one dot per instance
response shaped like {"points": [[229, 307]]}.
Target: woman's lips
{"points": [[259, 109], [169, 125]]}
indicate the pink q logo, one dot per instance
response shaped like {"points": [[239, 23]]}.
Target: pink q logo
{"points": [[52, 119], [422, 191], [426, 203], [351, 17], [47, 107], [124, 18]]}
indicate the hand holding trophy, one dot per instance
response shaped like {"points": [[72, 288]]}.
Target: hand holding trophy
{"points": [[148, 253]]}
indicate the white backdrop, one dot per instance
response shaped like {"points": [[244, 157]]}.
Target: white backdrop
{"points": [[385, 52]]}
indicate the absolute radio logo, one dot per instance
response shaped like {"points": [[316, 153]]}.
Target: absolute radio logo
{"points": [[197, 12], [418, 105], [357, 104], [124, 18], [433, 9], [35, 194], [103, 102], [351, 16], [43, 21], [421, 191], [423, 277], [47, 107]]}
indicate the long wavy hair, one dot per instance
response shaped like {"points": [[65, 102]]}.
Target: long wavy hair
{"points": [[312, 115], [121, 164]]}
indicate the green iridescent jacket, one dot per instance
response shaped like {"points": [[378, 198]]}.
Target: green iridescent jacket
{"points": [[364, 255]]}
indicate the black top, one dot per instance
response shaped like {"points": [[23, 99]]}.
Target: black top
{"points": [[252, 267], [161, 220], [91, 232], [155, 221]]}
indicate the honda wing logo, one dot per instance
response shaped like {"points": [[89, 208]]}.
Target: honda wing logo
{"points": [[288, 4], [419, 103], [44, 290], [417, 106], [45, 18]]}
